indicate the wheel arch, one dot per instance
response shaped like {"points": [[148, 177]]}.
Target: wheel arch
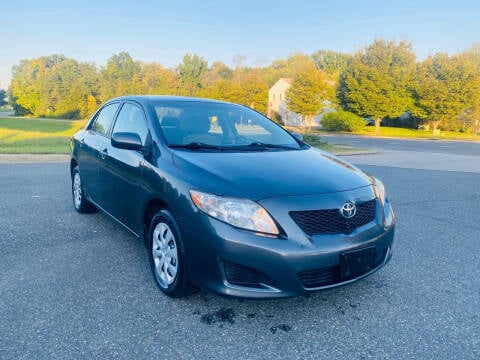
{"points": [[151, 208], [73, 163]]}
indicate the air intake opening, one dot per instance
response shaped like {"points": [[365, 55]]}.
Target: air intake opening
{"points": [[241, 275]]}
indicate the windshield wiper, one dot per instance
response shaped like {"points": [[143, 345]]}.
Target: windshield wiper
{"points": [[196, 145], [262, 145], [254, 146]]}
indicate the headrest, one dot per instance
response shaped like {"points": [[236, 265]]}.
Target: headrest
{"points": [[197, 124], [170, 121]]}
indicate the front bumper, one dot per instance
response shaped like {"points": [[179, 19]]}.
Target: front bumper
{"points": [[219, 255]]}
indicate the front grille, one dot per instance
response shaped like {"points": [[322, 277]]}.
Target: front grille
{"points": [[330, 221], [242, 275]]}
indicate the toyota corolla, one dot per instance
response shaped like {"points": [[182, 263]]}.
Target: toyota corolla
{"points": [[228, 201]]}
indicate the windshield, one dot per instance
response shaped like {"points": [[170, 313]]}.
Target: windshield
{"points": [[209, 125]]}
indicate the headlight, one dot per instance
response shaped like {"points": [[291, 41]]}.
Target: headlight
{"points": [[379, 190], [242, 213]]}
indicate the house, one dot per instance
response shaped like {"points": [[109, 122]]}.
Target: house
{"points": [[277, 105], [276, 95]]}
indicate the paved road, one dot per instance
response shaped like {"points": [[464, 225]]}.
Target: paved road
{"points": [[431, 146], [419, 160], [79, 286]]}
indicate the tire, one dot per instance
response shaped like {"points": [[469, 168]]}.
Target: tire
{"points": [[167, 255], [80, 203]]}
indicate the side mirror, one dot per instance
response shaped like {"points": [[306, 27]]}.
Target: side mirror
{"points": [[298, 136], [127, 141]]}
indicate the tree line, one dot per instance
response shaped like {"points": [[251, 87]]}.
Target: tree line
{"points": [[383, 80]]}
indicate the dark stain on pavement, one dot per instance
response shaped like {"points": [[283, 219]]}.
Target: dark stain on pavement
{"points": [[282, 327], [224, 315]]}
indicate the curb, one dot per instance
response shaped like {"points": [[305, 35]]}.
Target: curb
{"points": [[473, 140], [356, 152], [33, 158]]}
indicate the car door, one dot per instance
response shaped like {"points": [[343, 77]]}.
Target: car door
{"points": [[121, 172], [91, 148]]}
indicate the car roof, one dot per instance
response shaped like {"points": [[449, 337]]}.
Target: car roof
{"points": [[166, 98]]}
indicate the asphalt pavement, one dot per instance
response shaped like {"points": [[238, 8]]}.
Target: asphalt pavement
{"points": [[79, 286], [419, 160]]}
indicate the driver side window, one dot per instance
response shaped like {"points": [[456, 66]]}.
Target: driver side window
{"points": [[131, 119], [104, 119]]}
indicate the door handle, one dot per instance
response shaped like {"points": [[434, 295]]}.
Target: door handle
{"points": [[102, 154]]}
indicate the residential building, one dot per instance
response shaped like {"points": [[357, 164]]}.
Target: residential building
{"points": [[277, 105]]}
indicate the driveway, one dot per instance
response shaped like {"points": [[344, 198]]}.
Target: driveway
{"points": [[79, 286]]}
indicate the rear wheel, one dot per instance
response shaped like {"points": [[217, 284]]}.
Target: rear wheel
{"points": [[80, 203], [167, 256]]}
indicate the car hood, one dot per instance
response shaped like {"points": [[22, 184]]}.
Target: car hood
{"points": [[259, 175]]}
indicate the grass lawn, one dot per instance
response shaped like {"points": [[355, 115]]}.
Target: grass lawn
{"points": [[412, 133], [36, 136], [407, 133], [316, 141]]}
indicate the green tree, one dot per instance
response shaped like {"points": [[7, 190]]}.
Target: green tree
{"points": [[190, 72], [224, 89], [246, 87], [472, 114], [12, 100], [158, 80], [53, 86], [218, 71], [254, 92], [121, 76], [29, 83], [378, 81], [57, 88], [446, 87], [25, 87], [332, 62], [287, 68], [309, 93], [3, 96], [84, 95]]}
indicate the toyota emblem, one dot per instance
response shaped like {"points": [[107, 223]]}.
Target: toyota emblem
{"points": [[348, 210]]}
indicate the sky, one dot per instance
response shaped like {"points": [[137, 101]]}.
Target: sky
{"points": [[261, 31]]}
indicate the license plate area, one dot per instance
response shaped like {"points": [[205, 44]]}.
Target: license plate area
{"points": [[356, 262]]}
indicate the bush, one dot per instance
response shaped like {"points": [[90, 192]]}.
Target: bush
{"points": [[342, 121], [277, 118], [314, 140], [407, 121]]}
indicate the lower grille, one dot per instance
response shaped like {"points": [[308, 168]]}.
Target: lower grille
{"points": [[330, 221], [243, 275], [320, 277], [316, 278]]}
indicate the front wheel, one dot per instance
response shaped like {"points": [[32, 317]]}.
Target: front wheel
{"points": [[167, 256], [80, 203]]}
